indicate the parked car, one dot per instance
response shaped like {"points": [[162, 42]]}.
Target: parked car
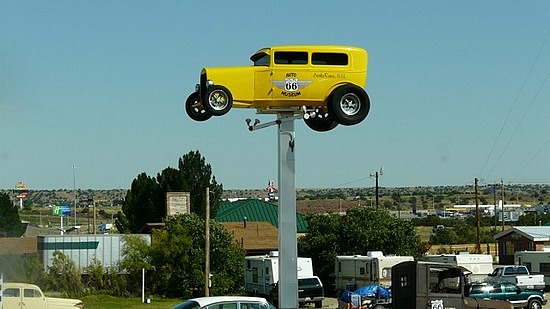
{"points": [[310, 291], [518, 297], [519, 275], [235, 302], [324, 82], [30, 296]]}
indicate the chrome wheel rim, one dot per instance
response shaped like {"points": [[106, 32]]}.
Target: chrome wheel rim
{"points": [[350, 104]]}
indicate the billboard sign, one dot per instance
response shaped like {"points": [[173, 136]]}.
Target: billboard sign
{"points": [[61, 210], [178, 203]]}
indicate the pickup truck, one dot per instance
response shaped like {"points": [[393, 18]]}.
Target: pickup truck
{"points": [[310, 291], [30, 296], [421, 285], [519, 275], [507, 291]]}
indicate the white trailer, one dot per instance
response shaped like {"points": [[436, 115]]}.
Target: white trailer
{"points": [[355, 271], [537, 262], [262, 272], [480, 265]]}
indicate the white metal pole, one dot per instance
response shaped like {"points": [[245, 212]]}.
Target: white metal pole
{"points": [[143, 285], [288, 247]]}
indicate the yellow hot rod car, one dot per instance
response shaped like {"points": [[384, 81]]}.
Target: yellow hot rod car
{"points": [[324, 82]]}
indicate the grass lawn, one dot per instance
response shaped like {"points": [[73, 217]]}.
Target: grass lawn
{"points": [[107, 301]]}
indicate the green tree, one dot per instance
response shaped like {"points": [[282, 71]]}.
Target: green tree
{"points": [[10, 223], [22, 268], [144, 203], [146, 199], [64, 276], [362, 229], [196, 176], [176, 258]]}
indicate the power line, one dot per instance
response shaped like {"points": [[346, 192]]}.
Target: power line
{"points": [[512, 108]]}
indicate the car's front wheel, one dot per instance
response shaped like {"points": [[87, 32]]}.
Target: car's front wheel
{"points": [[321, 122], [195, 109], [349, 105], [218, 100], [535, 304]]}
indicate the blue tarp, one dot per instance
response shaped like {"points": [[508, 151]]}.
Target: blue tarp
{"points": [[372, 290]]}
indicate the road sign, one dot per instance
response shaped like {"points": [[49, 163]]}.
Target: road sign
{"points": [[61, 210]]}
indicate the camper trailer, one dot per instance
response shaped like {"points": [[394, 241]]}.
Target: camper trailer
{"points": [[537, 262], [262, 272], [478, 264], [353, 272]]}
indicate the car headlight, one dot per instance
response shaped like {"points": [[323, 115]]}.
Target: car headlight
{"points": [[209, 83]]}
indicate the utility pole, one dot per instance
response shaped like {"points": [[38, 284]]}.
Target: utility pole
{"points": [[502, 195], [495, 202], [375, 175], [478, 245], [74, 192]]}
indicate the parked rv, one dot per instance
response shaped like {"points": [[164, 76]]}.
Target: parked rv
{"points": [[537, 262], [353, 272], [421, 285], [262, 272], [478, 264], [519, 275]]}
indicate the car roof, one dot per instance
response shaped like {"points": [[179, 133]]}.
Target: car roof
{"points": [[205, 301], [311, 47]]}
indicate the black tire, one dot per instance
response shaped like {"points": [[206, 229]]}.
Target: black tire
{"points": [[378, 307], [349, 105], [535, 304], [218, 100], [321, 123], [319, 304], [194, 108]]}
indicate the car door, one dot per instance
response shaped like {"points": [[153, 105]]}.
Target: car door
{"points": [[263, 73], [291, 76], [511, 291], [33, 299], [11, 298]]}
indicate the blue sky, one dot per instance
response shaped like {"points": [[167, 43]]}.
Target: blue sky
{"points": [[459, 89]]}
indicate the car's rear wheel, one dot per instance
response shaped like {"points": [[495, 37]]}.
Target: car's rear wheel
{"points": [[535, 304], [218, 100], [322, 122], [349, 105], [195, 109]]}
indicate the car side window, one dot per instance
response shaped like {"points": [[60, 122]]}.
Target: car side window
{"points": [[12, 293], [224, 306], [253, 306], [290, 57], [329, 59], [32, 293]]}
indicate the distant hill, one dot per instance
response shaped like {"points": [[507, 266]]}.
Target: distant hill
{"points": [[331, 199]]}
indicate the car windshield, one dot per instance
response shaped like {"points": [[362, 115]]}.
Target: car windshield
{"points": [[260, 59], [190, 304]]}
